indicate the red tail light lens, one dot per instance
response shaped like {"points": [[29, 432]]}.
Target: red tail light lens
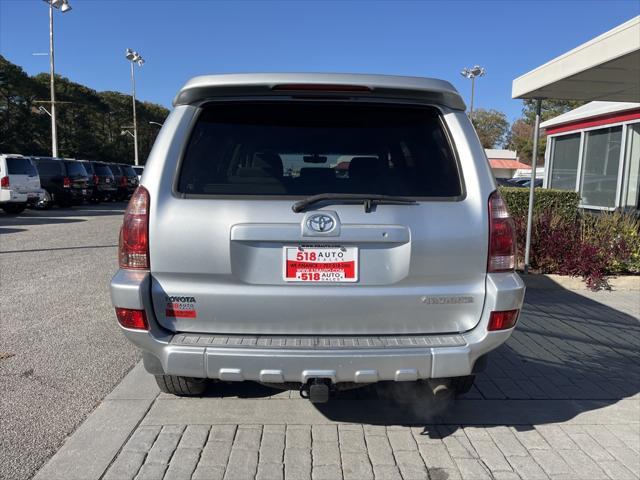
{"points": [[133, 250], [4, 182], [134, 319], [123, 181], [503, 320], [502, 236], [96, 180], [66, 182]]}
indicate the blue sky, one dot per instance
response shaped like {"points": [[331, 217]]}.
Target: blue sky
{"points": [[180, 39]]}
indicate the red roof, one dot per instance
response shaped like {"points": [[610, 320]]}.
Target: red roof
{"points": [[502, 163]]}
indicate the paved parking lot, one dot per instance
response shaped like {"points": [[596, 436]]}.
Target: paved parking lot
{"points": [[560, 400], [61, 351]]}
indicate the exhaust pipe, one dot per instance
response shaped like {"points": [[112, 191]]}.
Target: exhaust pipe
{"points": [[439, 388]]}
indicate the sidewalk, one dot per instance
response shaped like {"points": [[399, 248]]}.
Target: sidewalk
{"points": [[560, 400]]}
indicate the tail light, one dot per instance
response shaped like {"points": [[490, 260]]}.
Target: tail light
{"points": [[96, 180], [123, 181], [133, 250], [502, 236], [4, 182], [134, 319], [503, 320], [66, 182]]}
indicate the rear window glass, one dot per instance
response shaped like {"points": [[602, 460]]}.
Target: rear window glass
{"points": [[49, 167], [20, 166], [88, 167], [309, 148], [138, 170], [75, 168], [115, 169], [102, 169], [129, 171]]}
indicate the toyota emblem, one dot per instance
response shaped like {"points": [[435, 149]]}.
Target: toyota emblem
{"points": [[320, 223]]}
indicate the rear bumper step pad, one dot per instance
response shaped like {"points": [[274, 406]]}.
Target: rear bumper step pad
{"points": [[318, 342]]}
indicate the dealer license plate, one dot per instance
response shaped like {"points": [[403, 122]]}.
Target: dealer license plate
{"points": [[320, 264]]}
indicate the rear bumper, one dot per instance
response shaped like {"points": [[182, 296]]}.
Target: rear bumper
{"points": [[30, 197], [296, 359], [74, 195]]}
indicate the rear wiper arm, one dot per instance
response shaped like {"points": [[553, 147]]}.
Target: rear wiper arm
{"points": [[369, 200]]}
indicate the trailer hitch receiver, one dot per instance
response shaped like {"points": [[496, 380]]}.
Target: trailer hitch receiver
{"points": [[317, 390]]}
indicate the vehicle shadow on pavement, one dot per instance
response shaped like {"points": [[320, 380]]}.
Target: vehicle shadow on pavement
{"points": [[569, 355], [239, 390], [60, 215], [4, 230]]}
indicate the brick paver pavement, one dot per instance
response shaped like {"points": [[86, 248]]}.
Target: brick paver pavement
{"points": [[560, 400]]}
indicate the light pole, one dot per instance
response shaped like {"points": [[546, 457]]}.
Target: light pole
{"points": [[134, 57], [63, 6], [472, 73]]}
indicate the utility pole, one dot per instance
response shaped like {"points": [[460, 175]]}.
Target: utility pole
{"points": [[134, 57], [64, 7]]}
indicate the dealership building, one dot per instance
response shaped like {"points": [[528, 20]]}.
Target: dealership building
{"points": [[595, 150]]}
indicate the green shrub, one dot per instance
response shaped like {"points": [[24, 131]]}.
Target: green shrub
{"points": [[621, 231], [561, 202], [593, 246]]}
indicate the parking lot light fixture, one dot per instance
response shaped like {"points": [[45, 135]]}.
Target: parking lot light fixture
{"points": [[134, 58], [471, 73], [63, 6]]}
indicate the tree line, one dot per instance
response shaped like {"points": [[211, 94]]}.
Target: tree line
{"points": [[90, 123], [495, 131]]}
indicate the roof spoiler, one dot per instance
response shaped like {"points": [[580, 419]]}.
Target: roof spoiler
{"points": [[211, 87]]}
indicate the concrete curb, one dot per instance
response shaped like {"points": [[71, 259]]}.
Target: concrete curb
{"points": [[541, 281], [90, 450]]}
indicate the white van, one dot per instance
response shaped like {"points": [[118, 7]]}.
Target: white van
{"points": [[19, 183]]}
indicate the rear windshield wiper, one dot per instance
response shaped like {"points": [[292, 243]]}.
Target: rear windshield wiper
{"points": [[369, 200]]}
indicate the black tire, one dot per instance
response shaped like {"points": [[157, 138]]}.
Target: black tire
{"points": [[14, 208], [461, 385], [46, 203], [181, 386]]}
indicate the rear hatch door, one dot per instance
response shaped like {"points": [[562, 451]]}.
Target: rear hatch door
{"points": [[78, 175], [229, 255], [23, 175]]}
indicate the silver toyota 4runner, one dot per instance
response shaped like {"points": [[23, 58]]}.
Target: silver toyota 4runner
{"points": [[318, 231]]}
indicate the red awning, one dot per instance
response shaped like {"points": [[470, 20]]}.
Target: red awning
{"points": [[502, 163]]}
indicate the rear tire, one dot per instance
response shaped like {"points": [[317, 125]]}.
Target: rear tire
{"points": [[181, 386], [461, 385], [14, 208], [46, 203]]}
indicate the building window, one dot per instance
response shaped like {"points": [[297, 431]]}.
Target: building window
{"points": [[600, 167], [564, 164], [633, 166]]}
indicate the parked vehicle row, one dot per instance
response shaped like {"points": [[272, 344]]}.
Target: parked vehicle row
{"points": [[518, 182], [46, 181]]}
